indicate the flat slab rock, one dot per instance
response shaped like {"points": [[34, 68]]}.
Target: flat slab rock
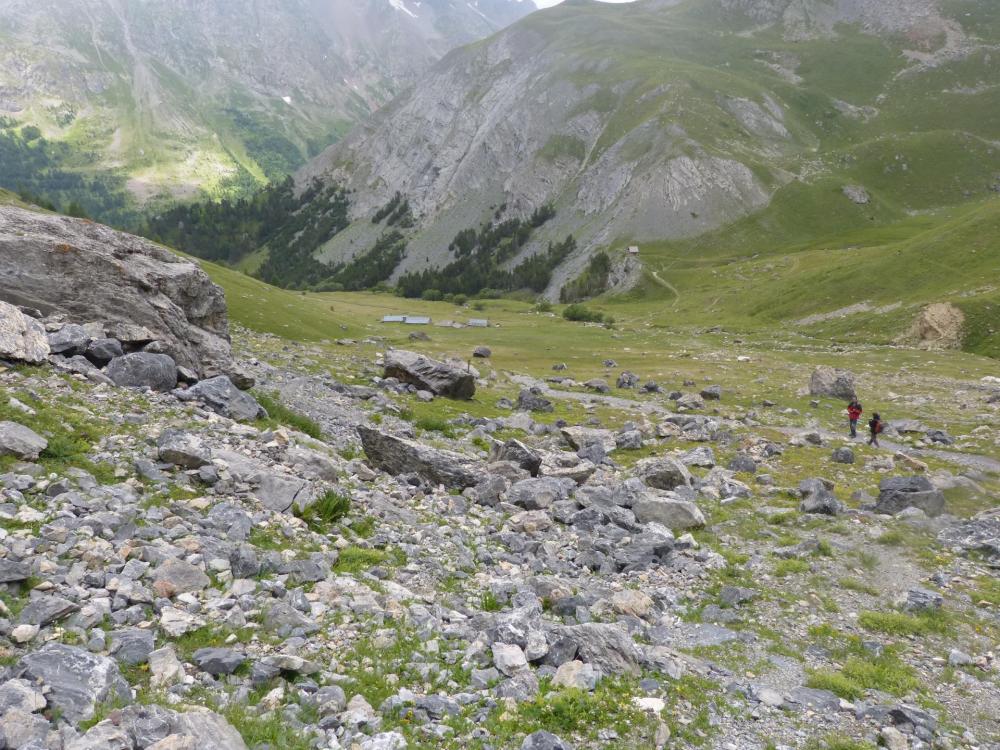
{"points": [[440, 378], [77, 679], [396, 455]]}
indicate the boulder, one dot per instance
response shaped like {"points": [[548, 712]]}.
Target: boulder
{"points": [[396, 455], [832, 383], [183, 449], [609, 647], [672, 512], [663, 473], [208, 729], [427, 374], [518, 453], [712, 393], [218, 661], [22, 339], [76, 679], [102, 351], [817, 498], [19, 441], [898, 493], [482, 352], [69, 340], [279, 492], [144, 370], [222, 396], [87, 271], [532, 400]]}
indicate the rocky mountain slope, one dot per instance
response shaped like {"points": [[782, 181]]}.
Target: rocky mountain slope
{"points": [[178, 98], [659, 121], [680, 550]]}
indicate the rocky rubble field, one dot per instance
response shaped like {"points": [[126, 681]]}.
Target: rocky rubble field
{"points": [[346, 558]]}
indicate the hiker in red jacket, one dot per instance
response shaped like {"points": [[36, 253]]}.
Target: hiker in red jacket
{"points": [[854, 411]]}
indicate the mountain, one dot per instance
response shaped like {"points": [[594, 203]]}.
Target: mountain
{"points": [[665, 122], [187, 97]]}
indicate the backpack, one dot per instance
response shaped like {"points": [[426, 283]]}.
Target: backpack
{"points": [[880, 426]]}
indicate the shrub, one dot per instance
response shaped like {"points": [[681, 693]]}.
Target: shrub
{"points": [[580, 314], [432, 295], [325, 512]]}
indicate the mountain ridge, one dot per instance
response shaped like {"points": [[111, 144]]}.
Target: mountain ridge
{"points": [[188, 98]]}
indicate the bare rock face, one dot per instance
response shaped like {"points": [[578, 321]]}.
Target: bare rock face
{"points": [[439, 378], [938, 326], [91, 273]]}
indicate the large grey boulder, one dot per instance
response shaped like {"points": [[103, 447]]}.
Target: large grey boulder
{"points": [[102, 351], [77, 680], [396, 455], [21, 442], [609, 647], [440, 378], [69, 340], [183, 449], [22, 339], [208, 729], [89, 272], [833, 383], [672, 512], [899, 493], [144, 370], [818, 499], [663, 473], [517, 452], [221, 396]]}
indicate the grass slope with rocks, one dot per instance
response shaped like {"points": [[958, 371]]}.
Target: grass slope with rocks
{"points": [[271, 573]]}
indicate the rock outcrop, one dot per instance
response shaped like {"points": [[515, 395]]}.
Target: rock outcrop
{"points": [[132, 288]]}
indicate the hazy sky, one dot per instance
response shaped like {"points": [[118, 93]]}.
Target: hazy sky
{"points": [[550, 3]]}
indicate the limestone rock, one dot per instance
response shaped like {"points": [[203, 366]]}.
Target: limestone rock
{"points": [[396, 455], [898, 493], [21, 442], [221, 396], [144, 370], [22, 339], [77, 680], [89, 272], [832, 383], [440, 378]]}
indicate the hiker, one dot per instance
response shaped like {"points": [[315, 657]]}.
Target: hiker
{"points": [[875, 425], [854, 411]]}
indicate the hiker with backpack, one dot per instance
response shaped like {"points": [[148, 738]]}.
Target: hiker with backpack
{"points": [[875, 426], [854, 411]]}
